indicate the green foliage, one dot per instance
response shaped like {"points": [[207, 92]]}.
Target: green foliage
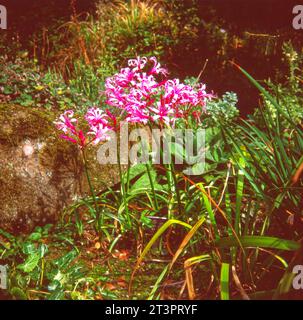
{"points": [[244, 203], [272, 155], [30, 268], [87, 50], [119, 31], [238, 212], [222, 111], [23, 82], [289, 92]]}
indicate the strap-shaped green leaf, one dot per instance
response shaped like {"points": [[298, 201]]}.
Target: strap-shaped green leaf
{"points": [[259, 241]]}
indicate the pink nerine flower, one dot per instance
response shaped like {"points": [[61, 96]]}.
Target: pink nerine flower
{"points": [[138, 64], [99, 125], [67, 123], [143, 94], [162, 113], [156, 69], [100, 133], [96, 116], [143, 97]]}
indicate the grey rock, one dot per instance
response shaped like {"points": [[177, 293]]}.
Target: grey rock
{"points": [[40, 174]]}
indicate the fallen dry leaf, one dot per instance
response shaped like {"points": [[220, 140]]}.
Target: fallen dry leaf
{"points": [[97, 245], [121, 255], [110, 286]]}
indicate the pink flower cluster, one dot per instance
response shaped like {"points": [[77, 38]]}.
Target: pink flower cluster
{"points": [[144, 94], [145, 98], [99, 124]]}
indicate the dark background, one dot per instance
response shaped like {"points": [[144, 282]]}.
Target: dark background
{"points": [[267, 14]]}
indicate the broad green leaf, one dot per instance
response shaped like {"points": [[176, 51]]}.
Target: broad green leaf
{"points": [[57, 295], [18, 293], [35, 236], [65, 260], [239, 196], [30, 263], [259, 241], [224, 281], [28, 248]]}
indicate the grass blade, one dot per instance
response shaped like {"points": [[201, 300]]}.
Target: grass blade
{"points": [[155, 237], [224, 281], [259, 241]]}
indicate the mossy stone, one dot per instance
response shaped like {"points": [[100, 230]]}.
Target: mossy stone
{"points": [[40, 174]]}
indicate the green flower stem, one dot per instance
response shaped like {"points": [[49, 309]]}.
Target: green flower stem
{"points": [[171, 176], [92, 192], [152, 185], [147, 165], [124, 195], [173, 172]]}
